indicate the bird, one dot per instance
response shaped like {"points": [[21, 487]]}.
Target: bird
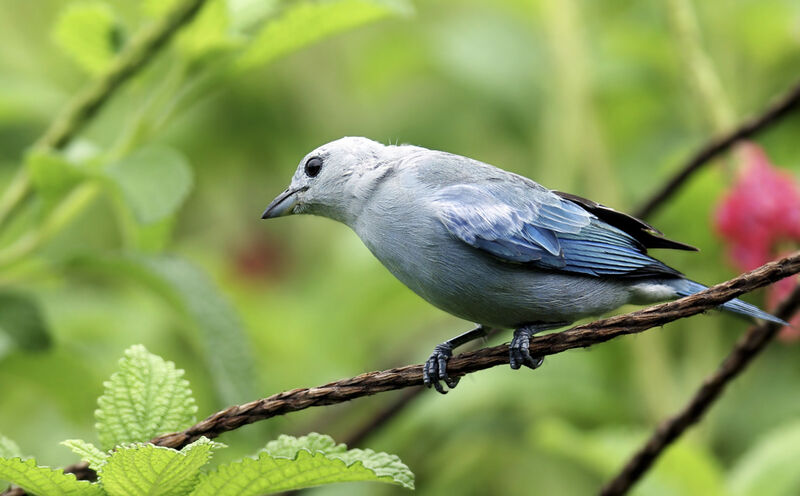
{"points": [[484, 244]]}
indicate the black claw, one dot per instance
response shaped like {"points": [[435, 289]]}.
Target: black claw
{"points": [[435, 370], [519, 353]]}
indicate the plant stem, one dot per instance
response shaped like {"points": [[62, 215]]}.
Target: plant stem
{"points": [[80, 110]]}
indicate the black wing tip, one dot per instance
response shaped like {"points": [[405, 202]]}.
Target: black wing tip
{"points": [[647, 235], [656, 241]]}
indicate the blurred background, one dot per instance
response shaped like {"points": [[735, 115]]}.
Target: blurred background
{"points": [[145, 228]]}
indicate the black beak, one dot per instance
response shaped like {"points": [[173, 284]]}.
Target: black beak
{"points": [[282, 205]]}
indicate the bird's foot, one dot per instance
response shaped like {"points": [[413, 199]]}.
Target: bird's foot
{"points": [[435, 370], [519, 352]]}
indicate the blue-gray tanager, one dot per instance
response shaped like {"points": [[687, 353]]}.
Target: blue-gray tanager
{"points": [[484, 244]]}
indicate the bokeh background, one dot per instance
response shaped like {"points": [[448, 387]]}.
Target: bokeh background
{"points": [[164, 246]]}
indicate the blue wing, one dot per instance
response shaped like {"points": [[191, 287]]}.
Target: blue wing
{"points": [[527, 224]]}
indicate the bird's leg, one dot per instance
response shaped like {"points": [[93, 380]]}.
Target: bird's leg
{"points": [[518, 350], [435, 369]]}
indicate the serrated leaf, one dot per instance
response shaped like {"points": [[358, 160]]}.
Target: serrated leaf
{"points": [[770, 467], [146, 397], [88, 452], [8, 449], [154, 181], [45, 481], [383, 464], [225, 346], [88, 32], [303, 23], [22, 320], [149, 470], [273, 472], [288, 446]]}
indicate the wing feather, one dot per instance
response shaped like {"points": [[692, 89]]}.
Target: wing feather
{"points": [[522, 224]]}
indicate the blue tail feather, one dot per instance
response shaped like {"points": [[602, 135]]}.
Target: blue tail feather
{"points": [[685, 287]]}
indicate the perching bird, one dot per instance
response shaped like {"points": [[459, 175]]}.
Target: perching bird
{"points": [[484, 244]]}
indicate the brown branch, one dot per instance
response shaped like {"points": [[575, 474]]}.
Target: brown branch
{"points": [[577, 337], [746, 349], [370, 383], [772, 114]]}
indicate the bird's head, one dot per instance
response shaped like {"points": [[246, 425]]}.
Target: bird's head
{"points": [[332, 180]]}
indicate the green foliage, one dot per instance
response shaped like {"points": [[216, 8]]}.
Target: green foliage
{"points": [[88, 32], [288, 446], [147, 397], [190, 291], [303, 23], [8, 449], [53, 175], [88, 452], [581, 97], [770, 467], [148, 470], [22, 320], [154, 182], [685, 467], [210, 32], [45, 481], [383, 464], [290, 463]]}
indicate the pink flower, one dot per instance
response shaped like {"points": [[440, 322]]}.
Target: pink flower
{"points": [[760, 217]]}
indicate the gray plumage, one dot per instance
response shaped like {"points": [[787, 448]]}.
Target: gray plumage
{"points": [[482, 243]]}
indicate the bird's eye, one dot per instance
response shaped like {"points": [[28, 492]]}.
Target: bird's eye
{"points": [[313, 166]]}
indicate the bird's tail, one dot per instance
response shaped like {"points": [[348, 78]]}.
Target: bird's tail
{"points": [[685, 287]]}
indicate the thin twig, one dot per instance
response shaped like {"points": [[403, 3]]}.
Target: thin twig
{"points": [[779, 109], [370, 383], [746, 349]]}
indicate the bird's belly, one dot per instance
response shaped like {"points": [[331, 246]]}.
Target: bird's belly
{"points": [[470, 284]]}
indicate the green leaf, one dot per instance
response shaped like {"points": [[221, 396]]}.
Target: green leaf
{"points": [[154, 181], [303, 23], [247, 15], [88, 32], [226, 348], [52, 174], [8, 449], [22, 320], [769, 467], [45, 481], [149, 470], [88, 452], [147, 397], [292, 465], [383, 464], [288, 446], [209, 32]]}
